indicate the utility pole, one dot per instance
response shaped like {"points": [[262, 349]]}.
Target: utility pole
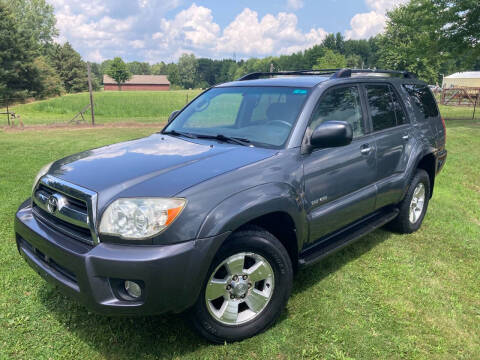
{"points": [[91, 93]]}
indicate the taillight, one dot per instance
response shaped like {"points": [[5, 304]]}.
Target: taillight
{"points": [[444, 129]]}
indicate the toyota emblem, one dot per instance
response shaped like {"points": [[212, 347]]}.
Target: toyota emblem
{"points": [[52, 204]]}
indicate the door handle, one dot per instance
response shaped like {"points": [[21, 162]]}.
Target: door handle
{"points": [[405, 137], [366, 150]]}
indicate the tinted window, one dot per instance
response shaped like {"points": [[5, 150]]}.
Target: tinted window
{"points": [[342, 104], [401, 117], [423, 99], [381, 106]]}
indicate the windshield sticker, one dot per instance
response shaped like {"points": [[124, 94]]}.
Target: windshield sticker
{"points": [[300, 91]]}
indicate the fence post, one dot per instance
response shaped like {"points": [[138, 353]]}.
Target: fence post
{"points": [[8, 114], [475, 106], [187, 99], [91, 94]]}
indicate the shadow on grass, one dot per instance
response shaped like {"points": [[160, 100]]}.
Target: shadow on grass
{"points": [[171, 335]]}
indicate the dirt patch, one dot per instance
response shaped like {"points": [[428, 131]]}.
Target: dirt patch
{"points": [[74, 127]]}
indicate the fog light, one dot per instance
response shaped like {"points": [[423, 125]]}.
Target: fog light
{"points": [[133, 289]]}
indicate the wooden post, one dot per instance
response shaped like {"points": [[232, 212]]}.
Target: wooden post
{"points": [[475, 106], [8, 115], [91, 93]]}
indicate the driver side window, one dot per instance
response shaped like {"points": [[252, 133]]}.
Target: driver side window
{"points": [[341, 104]]}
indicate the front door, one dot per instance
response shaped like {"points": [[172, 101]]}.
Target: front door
{"points": [[340, 182]]}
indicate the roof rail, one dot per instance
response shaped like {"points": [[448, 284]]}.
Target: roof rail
{"points": [[345, 73], [259, 75], [335, 73]]}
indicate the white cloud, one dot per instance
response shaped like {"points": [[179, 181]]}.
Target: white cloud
{"points": [[140, 30], [271, 35], [295, 4], [365, 25]]}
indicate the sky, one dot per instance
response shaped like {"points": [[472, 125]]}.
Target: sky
{"points": [[162, 30]]}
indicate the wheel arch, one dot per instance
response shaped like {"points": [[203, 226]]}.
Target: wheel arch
{"points": [[428, 163], [274, 207]]}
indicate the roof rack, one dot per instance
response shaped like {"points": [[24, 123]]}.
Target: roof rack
{"points": [[335, 73], [345, 73], [259, 75]]}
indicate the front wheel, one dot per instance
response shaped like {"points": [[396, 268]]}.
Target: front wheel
{"points": [[246, 289]]}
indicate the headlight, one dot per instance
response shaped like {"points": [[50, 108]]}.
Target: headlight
{"points": [[139, 218], [42, 172]]}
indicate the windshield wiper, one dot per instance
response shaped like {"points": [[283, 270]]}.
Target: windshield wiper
{"points": [[179, 133], [221, 137]]}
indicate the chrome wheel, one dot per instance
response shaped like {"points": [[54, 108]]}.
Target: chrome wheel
{"points": [[417, 203], [240, 288]]}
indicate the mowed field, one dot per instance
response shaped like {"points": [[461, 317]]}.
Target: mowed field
{"points": [[387, 296], [134, 106], [110, 106]]}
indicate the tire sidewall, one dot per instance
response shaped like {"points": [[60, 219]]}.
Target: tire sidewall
{"points": [[420, 177], [261, 243]]}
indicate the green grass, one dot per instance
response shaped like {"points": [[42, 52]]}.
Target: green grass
{"points": [[110, 106], [385, 297], [459, 112], [138, 106]]}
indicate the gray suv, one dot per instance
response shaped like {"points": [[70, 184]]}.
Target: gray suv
{"points": [[248, 183]]}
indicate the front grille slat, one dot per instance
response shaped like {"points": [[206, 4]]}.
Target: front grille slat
{"points": [[70, 217], [73, 231]]}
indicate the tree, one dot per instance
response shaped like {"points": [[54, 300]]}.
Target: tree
{"points": [[18, 74], [70, 67], [118, 71], [187, 70], [461, 30], [50, 83], [139, 68], [36, 18], [412, 40], [331, 60], [159, 68]]}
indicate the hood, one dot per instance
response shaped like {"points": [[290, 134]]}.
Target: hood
{"points": [[159, 165]]}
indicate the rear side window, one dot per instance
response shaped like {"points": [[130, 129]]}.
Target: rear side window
{"points": [[342, 104], [400, 114], [382, 108], [423, 99]]}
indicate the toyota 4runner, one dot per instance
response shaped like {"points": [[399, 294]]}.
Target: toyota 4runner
{"points": [[249, 182]]}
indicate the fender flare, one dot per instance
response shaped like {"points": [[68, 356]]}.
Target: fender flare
{"points": [[249, 204]]}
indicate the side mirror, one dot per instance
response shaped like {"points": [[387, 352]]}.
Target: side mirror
{"points": [[172, 116], [332, 134]]}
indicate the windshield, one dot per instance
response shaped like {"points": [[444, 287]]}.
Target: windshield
{"points": [[261, 116]]}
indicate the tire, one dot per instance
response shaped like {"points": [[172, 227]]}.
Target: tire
{"points": [[406, 222], [262, 251]]}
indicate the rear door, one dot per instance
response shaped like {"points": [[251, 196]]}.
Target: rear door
{"points": [[339, 182], [391, 130]]}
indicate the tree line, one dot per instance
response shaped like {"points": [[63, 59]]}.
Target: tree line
{"points": [[427, 37]]}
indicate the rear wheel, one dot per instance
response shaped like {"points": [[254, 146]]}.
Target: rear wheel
{"points": [[246, 289], [414, 206]]}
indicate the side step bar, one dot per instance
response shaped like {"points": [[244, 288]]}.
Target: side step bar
{"points": [[346, 236]]}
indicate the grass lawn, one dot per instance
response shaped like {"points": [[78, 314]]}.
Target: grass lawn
{"points": [[459, 112], [138, 106], [110, 106], [385, 297]]}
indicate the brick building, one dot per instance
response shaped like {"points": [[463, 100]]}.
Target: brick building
{"points": [[139, 83]]}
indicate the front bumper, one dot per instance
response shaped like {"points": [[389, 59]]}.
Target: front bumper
{"points": [[171, 276]]}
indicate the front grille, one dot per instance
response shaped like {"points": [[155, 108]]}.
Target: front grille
{"points": [[73, 231], [76, 203], [71, 211]]}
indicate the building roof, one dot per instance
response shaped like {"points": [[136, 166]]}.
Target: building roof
{"points": [[464, 75], [140, 80]]}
